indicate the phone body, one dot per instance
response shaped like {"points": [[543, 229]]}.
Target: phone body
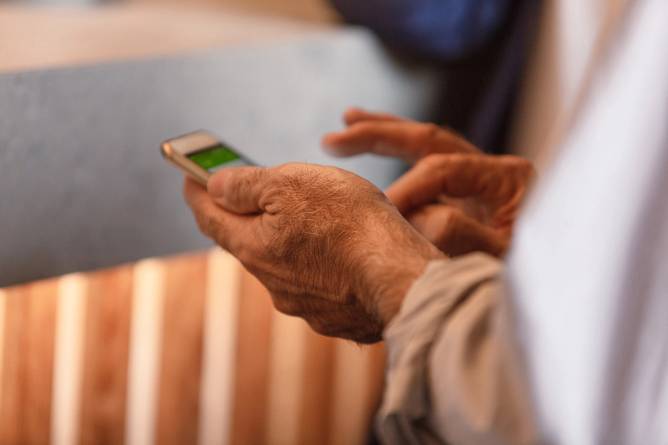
{"points": [[200, 154]]}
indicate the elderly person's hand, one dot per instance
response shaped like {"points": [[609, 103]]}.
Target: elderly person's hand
{"points": [[459, 198], [464, 203], [327, 244]]}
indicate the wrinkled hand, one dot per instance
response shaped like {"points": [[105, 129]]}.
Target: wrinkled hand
{"points": [[459, 198], [464, 203], [327, 244]]}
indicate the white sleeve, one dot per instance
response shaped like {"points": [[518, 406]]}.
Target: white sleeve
{"points": [[588, 272]]}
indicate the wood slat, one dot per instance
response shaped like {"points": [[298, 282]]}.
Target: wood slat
{"points": [[252, 363], [70, 334], [181, 364], [375, 380], [145, 352], [353, 397], [3, 305], [317, 396], [25, 412], [104, 385], [284, 385], [220, 327], [286, 379]]}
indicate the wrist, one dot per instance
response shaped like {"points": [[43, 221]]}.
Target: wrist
{"points": [[388, 274], [388, 301]]}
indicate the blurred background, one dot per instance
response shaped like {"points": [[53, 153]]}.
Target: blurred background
{"points": [[318, 10], [99, 344]]}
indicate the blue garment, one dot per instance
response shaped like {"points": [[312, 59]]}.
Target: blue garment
{"points": [[442, 28]]}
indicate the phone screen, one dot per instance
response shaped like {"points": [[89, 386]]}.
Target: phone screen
{"points": [[219, 156]]}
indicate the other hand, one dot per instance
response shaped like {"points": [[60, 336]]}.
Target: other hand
{"points": [[476, 215], [464, 203]]}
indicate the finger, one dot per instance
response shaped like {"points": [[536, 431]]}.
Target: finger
{"points": [[218, 224], [239, 190], [455, 233], [455, 175], [355, 115], [406, 140]]}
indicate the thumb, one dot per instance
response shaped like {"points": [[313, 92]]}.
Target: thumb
{"points": [[457, 175], [216, 223], [239, 190]]}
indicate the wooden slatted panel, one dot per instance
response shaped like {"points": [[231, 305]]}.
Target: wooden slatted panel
{"points": [[25, 412], [104, 382], [284, 385], [181, 368]]}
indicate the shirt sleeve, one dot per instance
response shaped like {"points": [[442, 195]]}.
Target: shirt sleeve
{"points": [[452, 375]]}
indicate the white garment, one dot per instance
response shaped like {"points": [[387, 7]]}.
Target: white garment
{"points": [[575, 349], [567, 41]]}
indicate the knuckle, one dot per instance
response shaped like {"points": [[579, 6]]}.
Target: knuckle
{"points": [[367, 128], [434, 161], [448, 224], [246, 182], [516, 165], [448, 161], [526, 167], [289, 170], [290, 179], [242, 184], [427, 132], [514, 161], [448, 220]]}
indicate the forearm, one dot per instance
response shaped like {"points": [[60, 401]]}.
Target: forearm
{"points": [[453, 374]]}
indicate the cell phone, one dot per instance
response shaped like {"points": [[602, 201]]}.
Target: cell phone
{"points": [[200, 154]]}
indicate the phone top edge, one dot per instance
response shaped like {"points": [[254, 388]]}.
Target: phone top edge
{"points": [[191, 142]]}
